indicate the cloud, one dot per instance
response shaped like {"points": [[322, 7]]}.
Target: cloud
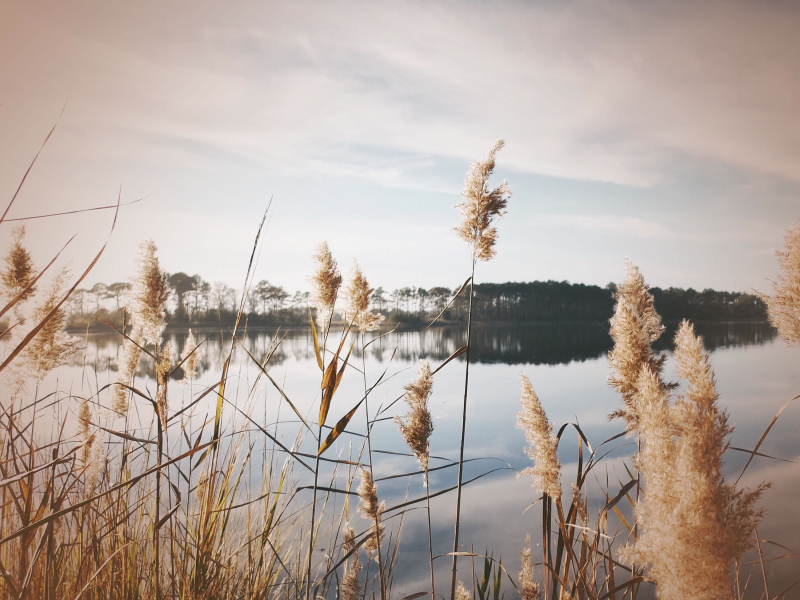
{"points": [[612, 91], [609, 224]]}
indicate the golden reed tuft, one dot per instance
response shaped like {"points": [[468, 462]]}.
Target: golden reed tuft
{"points": [[371, 509], [357, 295], [784, 306], [350, 588], [19, 269], [325, 283], [418, 425], [542, 443], [190, 358], [529, 588], [634, 327], [482, 206], [692, 524]]}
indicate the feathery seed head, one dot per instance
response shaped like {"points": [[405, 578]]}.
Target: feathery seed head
{"points": [[163, 367], [19, 266], [528, 588], [542, 443], [358, 294], [369, 507], [52, 346], [325, 283], [128, 362], [190, 358], [150, 294], [418, 426], [784, 306], [634, 326], [482, 206], [462, 593], [350, 586]]}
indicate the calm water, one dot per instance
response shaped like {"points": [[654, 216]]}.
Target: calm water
{"points": [[756, 375]]}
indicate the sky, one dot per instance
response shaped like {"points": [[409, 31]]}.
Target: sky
{"points": [[665, 132]]}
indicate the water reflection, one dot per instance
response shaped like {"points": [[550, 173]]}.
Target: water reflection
{"points": [[536, 344]]}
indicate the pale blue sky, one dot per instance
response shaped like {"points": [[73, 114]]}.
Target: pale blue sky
{"points": [[666, 132]]}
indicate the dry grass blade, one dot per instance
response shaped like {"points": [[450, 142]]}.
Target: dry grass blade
{"points": [[449, 304], [74, 212], [283, 395], [762, 438], [454, 355], [316, 342], [32, 282], [33, 162], [338, 429], [26, 340]]}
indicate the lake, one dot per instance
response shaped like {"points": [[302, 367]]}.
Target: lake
{"points": [[566, 363]]}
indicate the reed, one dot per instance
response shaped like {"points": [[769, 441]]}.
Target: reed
{"points": [[130, 490]]}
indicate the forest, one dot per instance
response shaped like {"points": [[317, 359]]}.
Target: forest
{"points": [[196, 302]]}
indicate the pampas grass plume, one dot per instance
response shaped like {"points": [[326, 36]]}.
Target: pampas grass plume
{"points": [[482, 206], [418, 425], [784, 306], [371, 509], [529, 589], [350, 587], [325, 283], [542, 443], [190, 358], [358, 294]]}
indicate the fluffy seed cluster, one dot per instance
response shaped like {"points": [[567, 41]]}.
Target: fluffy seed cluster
{"points": [[325, 283], [462, 593], [19, 267], [542, 443], [528, 587], [693, 524], [371, 509], [784, 306], [418, 425], [163, 367], [350, 586], [482, 206], [150, 294], [52, 346], [358, 294], [190, 358], [147, 308], [634, 327]]}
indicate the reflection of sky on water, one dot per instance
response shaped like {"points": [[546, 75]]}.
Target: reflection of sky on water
{"points": [[566, 363]]}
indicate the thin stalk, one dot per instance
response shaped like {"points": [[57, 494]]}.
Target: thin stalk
{"points": [[430, 534], [313, 516], [453, 580], [369, 454]]}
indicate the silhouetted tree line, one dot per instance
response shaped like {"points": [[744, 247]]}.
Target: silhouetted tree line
{"points": [[195, 302]]}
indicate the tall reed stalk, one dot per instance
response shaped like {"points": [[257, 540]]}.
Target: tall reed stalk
{"points": [[480, 208]]}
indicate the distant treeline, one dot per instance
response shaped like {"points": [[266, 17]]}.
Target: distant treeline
{"points": [[195, 302]]}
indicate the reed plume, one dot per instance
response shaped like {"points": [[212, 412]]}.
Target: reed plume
{"points": [[784, 307], [19, 269], [163, 367], [482, 206], [358, 294], [325, 283], [147, 307], [634, 327], [350, 587], [150, 295], [369, 507], [542, 443], [462, 593], [52, 346], [688, 510], [190, 358], [418, 425], [529, 588]]}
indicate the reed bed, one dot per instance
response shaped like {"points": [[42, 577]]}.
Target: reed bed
{"points": [[127, 493]]}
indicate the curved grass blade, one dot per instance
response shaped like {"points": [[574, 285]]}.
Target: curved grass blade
{"points": [[453, 299]]}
